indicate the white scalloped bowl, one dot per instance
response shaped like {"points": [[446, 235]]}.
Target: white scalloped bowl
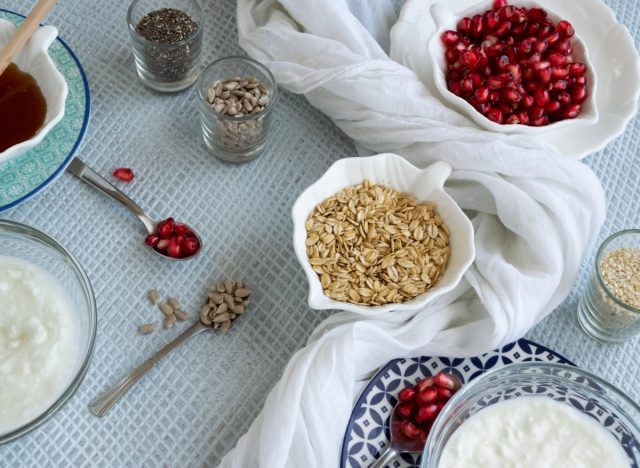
{"points": [[446, 16], [34, 59], [394, 171]]}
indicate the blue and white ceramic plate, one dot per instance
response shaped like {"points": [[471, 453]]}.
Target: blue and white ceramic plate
{"points": [[368, 429], [29, 174]]}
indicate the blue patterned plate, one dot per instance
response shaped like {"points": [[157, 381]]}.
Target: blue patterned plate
{"points": [[368, 429], [28, 174]]}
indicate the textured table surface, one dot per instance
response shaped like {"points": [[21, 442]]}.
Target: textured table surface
{"points": [[191, 409]]}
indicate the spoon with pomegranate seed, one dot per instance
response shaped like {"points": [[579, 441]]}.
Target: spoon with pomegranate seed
{"points": [[414, 414], [175, 241]]}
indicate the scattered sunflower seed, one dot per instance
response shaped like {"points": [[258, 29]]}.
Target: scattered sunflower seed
{"points": [[147, 328], [173, 302], [181, 315], [169, 320], [166, 309], [154, 296]]}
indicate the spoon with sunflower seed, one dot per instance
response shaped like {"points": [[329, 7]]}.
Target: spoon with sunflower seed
{"points": [[226, 302]]}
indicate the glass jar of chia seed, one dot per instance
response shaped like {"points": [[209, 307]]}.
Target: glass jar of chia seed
{"points": [[167, 42]]}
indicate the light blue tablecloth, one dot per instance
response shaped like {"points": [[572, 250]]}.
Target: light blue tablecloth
{"points": [[193, 407]]}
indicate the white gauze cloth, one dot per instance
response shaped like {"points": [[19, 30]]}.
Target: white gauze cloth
{"points": [[535, 213]]}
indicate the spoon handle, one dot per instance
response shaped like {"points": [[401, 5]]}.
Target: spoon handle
{"points": [[103, 404], [91, 177], [386, 456]]}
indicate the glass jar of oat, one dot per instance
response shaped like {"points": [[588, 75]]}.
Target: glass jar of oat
{"points": [[610, 307], [237, 97]]}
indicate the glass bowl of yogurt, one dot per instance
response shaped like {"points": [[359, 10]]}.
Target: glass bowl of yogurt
{"points": [[536, 414], [47, 328]]}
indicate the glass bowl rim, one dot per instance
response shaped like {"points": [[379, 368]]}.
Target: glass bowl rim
{"points": [[462, 394], [603, 246], [260, 66], [24, 231], [163, 45]]}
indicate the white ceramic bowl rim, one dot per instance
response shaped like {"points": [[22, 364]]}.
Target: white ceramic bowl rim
{"points": [[462, 239], [446, 18]]}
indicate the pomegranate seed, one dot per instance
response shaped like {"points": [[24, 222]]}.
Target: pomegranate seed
{"points": [[563, 47], [544, 31], [454, 87], [467, 86], [427, 396], [527, 101], [519, 29], [515, 71], [537, 14], [165, 228], [534, 58], [494, 96], [544, 76], [503, 29], [533, 28], [189, 246], [577, 69], [423, 435], [580, 79], [552, 38], [464, 25], [564, 98], [506, 12], [511, 120], [447, 393], [481, 95], [523, 117], [542, 97], [498, 4], [162, 244], [552, 107], [427, 413], [482, 108], [540, 46], [491, 20], [470, 59], [565, 29], [123, 173], [422, 385], [526, 46], [451, 381], [544, 120], [536, 113], [452, 55], [505, 109], [405, 410], [541, 65], [560, 72], [152, 240], [511, 95], [406, 394], [476, 79], [409, 429], [180, 228], [557, 59], [496, 49], [450, 38], [559, 85], [572, 112], [502, 62], [476, 26], [494, 115], [174, 248]]}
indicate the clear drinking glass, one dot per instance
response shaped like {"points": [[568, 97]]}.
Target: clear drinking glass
{"points": [[235, 139], [166, 67], [601, 313]]}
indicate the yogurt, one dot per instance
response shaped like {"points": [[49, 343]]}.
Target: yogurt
{"points": [[38, 342], [532, 432]]}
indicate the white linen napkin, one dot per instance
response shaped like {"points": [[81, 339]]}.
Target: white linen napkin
{"points": [[534, 211]]}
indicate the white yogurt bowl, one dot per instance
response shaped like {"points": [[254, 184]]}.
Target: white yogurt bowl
{"points": [[395, 172], [447, 15], [26, 243], [34, 59]]}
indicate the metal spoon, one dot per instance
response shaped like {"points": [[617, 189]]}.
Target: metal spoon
{"points": [[103, 404], [398, 444], [91, 177]]}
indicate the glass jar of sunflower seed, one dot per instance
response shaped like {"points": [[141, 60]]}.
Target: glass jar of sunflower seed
{"points": [[167, 42], [610, 307], [237, 96]]}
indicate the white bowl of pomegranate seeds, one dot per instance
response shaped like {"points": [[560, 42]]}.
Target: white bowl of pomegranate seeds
{"points": [[364, 283], [512, 68]]}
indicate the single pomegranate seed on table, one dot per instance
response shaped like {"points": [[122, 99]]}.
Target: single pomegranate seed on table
{"points": [[123, 173]]}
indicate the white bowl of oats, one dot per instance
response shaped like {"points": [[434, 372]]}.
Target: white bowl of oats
{"points": [[377, 234]]}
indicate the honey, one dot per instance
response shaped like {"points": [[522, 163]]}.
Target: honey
{"points": [[23, 107]]}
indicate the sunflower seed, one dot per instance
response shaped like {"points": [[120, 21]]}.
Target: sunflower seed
{"points": [[169, 320], [147, 328], [154, 296], [181, 315], [173, 302], [166, 309]]}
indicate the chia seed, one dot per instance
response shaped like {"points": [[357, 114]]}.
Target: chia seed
{"points": [[166, 26]]}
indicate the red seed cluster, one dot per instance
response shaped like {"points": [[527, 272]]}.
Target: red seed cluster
{"points": [[515, 66], [420, 405], [124, 174], [175, 240]]}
